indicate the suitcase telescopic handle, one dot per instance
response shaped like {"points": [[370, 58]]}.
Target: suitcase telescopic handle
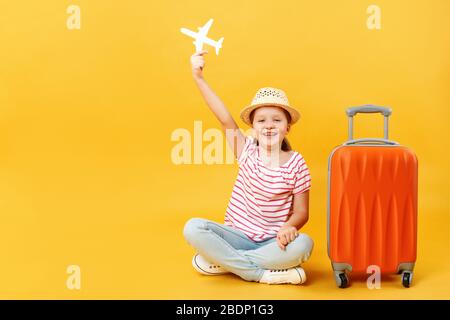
{"points": [[369, 108]]}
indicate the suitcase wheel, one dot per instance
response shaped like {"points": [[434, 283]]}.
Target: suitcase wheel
{"points": [[341, 279], [406, 278]]}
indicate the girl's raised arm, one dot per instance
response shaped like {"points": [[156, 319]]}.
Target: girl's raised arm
{"points": [[235, 137]]}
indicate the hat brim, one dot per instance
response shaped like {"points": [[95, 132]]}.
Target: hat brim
{"points": [[245, 113]]}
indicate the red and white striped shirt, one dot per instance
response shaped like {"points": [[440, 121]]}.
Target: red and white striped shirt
{"points": [[262, 197]]}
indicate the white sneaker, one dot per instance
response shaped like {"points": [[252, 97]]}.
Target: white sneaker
{"points": [[293, 275], [205, 267]]}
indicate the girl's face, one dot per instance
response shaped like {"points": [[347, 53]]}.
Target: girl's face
{"points": [[270, 125]]}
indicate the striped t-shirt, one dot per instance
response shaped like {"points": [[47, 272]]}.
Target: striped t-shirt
{"points": [[261, 200]]}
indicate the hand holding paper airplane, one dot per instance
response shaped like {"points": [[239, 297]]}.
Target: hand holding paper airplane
{"points": [[198, 63]]}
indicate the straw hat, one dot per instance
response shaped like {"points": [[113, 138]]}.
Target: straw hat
{"points": [[269, 97]]}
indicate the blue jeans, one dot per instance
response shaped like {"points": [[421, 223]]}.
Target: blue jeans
{"points": [[237, 253]]}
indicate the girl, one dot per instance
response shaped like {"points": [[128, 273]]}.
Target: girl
{"points": [[259, 240]]}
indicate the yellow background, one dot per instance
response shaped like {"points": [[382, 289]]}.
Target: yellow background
{"points": [[86, 116]]}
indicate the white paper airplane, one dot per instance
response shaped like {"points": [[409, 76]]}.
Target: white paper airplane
{"points": [[200, 37]]}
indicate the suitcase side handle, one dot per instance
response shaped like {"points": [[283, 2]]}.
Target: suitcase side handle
{"points": [[368, 108]]}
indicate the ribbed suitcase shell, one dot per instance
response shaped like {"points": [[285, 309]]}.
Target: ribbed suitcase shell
{"points": [[372, 206]]}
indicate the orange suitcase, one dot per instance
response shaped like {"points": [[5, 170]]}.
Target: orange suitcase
{"points": [[372, 204]]}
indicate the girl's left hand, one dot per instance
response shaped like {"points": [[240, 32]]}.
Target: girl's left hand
{"points": [[286, 235]]}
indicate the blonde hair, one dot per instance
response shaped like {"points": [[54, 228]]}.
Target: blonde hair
{"points": [[285, 145]]}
